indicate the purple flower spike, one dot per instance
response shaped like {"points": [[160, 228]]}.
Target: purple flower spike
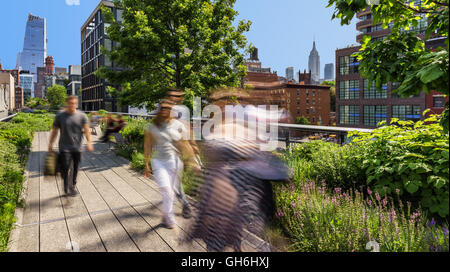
{"points": [[432, 223]]}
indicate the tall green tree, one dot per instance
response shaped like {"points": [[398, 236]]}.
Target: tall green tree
{"points": [[302, 121], [332, 85], [56, 95], [402, 56], [188, 44]]}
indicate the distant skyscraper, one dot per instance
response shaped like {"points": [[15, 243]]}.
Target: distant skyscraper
{"points": [[290, 74], [329, 71], [26, 82], [34, 45], [314, 63]]}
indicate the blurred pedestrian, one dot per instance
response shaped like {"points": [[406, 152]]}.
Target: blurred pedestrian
{"points": [[94, 122], [235, 192], [113, 125], [71, 124], [164, 141]]}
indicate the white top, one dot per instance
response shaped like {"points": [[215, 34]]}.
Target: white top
{"points": [[164, 137]]}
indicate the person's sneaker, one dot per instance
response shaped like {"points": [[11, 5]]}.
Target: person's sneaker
{"points": [[187, 212], [73, 193]]}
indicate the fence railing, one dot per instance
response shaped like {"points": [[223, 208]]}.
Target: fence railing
{"points": [[8, 118], [286, 132]]}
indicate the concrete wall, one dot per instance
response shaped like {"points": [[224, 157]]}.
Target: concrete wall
{"points": [[7, 102]]}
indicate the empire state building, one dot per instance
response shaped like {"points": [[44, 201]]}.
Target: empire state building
{"points": [[314, 63]]}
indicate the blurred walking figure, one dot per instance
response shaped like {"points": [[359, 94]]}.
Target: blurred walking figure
{"points": [[71, 124], [189, 148], [235, 191], [164, 143], [113, 126], [94, 122]]}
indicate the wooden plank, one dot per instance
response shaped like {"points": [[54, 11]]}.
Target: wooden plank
{"points": [[28, 236], [155, 216], [54, 236], [111, 232], [139, 230], [122, 187], [80, 225]]}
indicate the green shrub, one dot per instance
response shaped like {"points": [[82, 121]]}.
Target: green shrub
{"points": [[138, 161], [411, 158], [15, 142], [11, 178], [133, 133], [320, 160], [16, 134]]}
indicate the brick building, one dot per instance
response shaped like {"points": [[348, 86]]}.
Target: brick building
{"points": [[361, 105], [19, 98], [310, 101]]}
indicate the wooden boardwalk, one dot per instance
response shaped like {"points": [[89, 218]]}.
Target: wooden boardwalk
{"points": [[116, 210]]}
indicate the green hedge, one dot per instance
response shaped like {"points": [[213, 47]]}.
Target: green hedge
{"points": [[409, 158], [15, 143], [320, 160]]}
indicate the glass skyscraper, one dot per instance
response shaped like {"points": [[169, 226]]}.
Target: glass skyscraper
{"points": [[26, 82], [34, 45]]}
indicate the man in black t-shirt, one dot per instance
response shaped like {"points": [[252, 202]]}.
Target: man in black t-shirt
{"points": [[71, 124]]}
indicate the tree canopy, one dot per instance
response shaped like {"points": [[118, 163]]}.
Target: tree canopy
{"points": [[56, 95], [402, 57], [188, 44]]}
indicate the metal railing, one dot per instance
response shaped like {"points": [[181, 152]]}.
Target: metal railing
{"points": [[285, 134], [8, 118]]}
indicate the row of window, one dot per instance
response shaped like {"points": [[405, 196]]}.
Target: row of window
{"points": [[94, 93], [349, 115], [349, 89], [348, 65]]}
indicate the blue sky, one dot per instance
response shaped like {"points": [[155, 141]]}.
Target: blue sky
{"points": [[283, 30]]}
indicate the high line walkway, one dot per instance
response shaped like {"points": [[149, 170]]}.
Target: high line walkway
{"points": [[116, 210]]}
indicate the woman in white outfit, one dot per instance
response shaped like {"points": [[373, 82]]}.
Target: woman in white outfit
{"points": [[161, 140]]}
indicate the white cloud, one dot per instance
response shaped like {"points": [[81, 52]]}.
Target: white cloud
{"points": [[73, 2]]}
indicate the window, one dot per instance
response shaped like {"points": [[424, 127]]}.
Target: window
{"points": [[119, 15], [298, 92], [307, 111], [406, 112], [372, 92], [108, 62], [298, 101], [374, 114], [348, 65], [438, 101], [108, 44], [349, 115], [349, 89], [307, 101]]}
